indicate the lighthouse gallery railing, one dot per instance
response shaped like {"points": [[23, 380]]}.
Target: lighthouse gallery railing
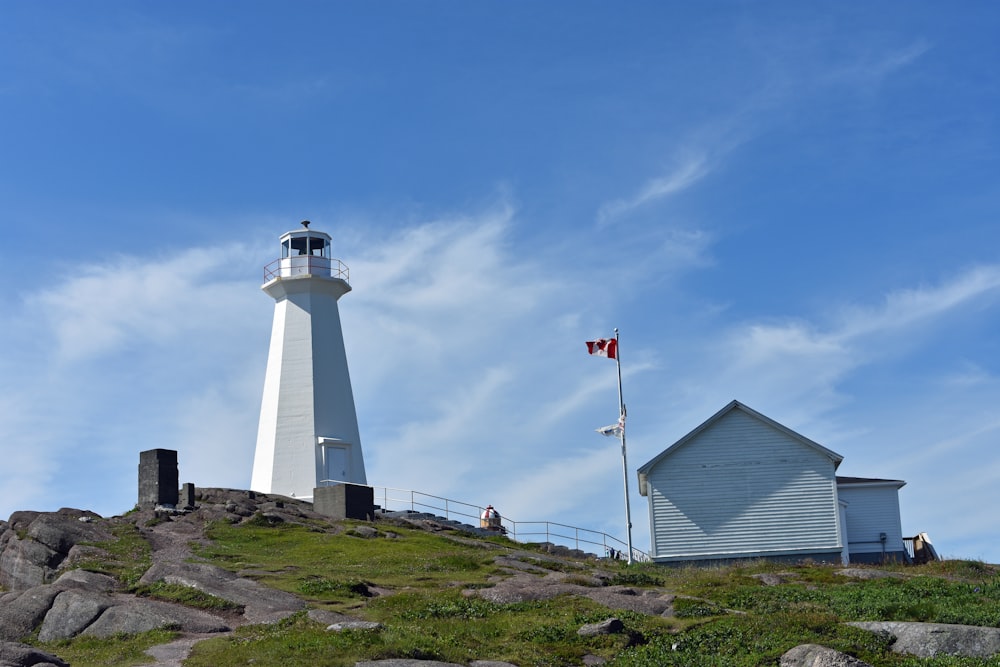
{"points": [[287, 267]]}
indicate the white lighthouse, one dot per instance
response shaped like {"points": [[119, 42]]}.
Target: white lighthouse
{"points": [[308, 432]]}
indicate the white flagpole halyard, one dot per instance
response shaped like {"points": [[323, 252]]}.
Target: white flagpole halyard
{"points": [[621, 420]]}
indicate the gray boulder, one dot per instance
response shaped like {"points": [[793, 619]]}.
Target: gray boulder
{"points": [[869, 573], [88, 581], [324, 617], [353, 625], [773, 578], [649, 602], [84, 603], [26, 563], [134, 615], [524, 586], [609, 626], [61, 530], [36, 544], [261, 604], [814, 655], [926, 640], [13, 654], [22, 611], [21, 519], [71, 613]]}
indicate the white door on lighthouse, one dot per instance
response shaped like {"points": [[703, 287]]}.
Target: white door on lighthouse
{"points": [[336, 463]]}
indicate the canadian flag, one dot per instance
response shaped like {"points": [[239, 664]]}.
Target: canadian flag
{"points": [[603, 347]]}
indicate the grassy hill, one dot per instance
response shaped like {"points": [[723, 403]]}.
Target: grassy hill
{"points": [[422, 587]]}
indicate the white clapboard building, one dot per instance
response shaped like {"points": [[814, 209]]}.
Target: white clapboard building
{"points": [[741, 485]]}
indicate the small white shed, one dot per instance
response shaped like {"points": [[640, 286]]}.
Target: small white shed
{"points": [[874, 531], [741, 485]]}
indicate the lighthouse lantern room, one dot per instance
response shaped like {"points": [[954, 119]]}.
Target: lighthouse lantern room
{"points": [[308, 430]]}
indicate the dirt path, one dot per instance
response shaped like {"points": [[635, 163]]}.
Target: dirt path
{"points": [[171, 543], [176, 652]]}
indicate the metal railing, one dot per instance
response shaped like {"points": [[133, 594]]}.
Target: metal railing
{"points": [[286, 267], [527, 532], [523, 531]]}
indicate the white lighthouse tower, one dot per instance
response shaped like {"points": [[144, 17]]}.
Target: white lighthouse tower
{"points": [[308, 432]]}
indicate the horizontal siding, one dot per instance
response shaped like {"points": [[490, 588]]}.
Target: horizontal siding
{"points": [[741, 487], [871, 511]]}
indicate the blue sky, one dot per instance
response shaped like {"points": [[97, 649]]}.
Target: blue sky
{"points": [[793, 205]]}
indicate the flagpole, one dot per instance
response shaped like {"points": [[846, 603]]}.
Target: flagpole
{"points": [[621, 415]]}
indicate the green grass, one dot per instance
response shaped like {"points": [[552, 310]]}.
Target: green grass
{"points": [[921, 598], [437, 626], [119, 651], [317, 587], [636, 577], [185, 595], [332, 568], [129, 556]]}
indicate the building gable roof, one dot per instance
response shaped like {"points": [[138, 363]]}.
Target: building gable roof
{"points": [[736, 405]]}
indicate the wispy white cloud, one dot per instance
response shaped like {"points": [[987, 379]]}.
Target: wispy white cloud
{"points": [[555, 489], [873, 67], [787, 85], [129, 355], [804, 370], [682, 176], [911, 307], [828, 351], [134, 301], [467, 340], [969, 375]]}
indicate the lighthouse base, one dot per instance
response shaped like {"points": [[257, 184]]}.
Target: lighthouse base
{"points": [[345, 501]]}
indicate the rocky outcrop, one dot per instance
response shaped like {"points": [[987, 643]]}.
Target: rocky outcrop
{"points": [[132, 615], [869, 573], [13, 654], [36, 544], [814, 655], [774, 578], [22, 611], [26, 563], [71, 613], [85, 603], [260, 603], [609, 626], [325, 617], [926, 640], [353, 625], [540, 584], [38, 550]]}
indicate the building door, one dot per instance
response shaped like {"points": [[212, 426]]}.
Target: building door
{"points": [[336, 463], [845, 553]]}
